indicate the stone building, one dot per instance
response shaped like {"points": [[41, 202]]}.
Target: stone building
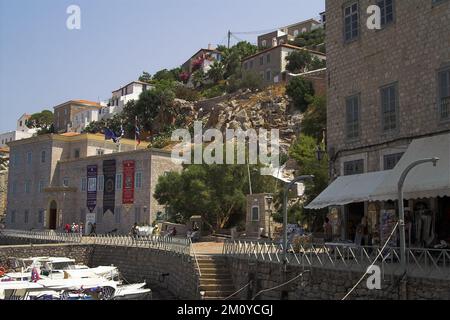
{"points": [[4, 158], [386, 89], [66, 113], [270, 64], [56, 180], [286, 34]]}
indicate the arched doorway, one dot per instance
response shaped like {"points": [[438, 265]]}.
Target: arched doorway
{"points": [[53, 216]]}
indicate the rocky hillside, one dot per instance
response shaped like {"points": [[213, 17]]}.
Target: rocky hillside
{"points": [[267, 109]]}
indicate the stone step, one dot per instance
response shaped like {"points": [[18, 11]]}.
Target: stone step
{"points": [[214, 270], [218, 294], [213, 280], [215, 275], [221, 287]]}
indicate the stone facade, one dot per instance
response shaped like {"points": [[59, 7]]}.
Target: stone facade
{"points": [[408, 52], [286, 34], [48, 176], [65, 113], [324, 284]]}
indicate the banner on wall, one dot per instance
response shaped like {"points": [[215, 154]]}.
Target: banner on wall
{"points": [[92, 172], [128, 182], [109, 190]]}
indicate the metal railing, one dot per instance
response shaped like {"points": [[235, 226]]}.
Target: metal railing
{"points": [[421, 263], [170, 244], [44, 236]]}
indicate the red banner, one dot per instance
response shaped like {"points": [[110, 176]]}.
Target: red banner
{"points": [[128, 182]]}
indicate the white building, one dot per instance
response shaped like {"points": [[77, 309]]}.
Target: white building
{"points": [[21, 132], [122, 96], [83, 118]]}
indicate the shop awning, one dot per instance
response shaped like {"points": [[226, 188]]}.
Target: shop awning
{"points": [[424, 181], [349, 189]]}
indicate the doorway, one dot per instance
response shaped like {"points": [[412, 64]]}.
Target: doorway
{"points": [[53, 216], [355, 213]]}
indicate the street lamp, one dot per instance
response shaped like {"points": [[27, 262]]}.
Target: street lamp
{"points": [[285, 207], [269, 200], [401, 207]]}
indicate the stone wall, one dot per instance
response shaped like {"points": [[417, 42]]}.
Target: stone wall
{"points": [[322, 284], [81, 253]]}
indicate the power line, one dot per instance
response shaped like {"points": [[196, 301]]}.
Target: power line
{"points": [[281, 285], [373, 263]]}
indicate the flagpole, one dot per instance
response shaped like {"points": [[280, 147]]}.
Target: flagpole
{"points": [[135, 133]]}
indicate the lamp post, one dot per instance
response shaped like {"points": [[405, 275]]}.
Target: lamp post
{"points": [[401, 207], [285, 207], [269, 203]]}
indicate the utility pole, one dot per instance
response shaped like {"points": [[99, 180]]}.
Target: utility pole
{"points": [[229, 38]]}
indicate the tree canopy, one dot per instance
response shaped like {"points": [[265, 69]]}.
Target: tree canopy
{"points": [[300, 91], [42, 121]]}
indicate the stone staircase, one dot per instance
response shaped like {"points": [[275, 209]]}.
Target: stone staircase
{"points": [[215, 281]]}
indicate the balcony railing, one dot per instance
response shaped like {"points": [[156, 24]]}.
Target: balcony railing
{"points": [[421, 263], [169, 244]]}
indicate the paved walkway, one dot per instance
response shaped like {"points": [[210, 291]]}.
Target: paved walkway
{"points": [[207, 248]]}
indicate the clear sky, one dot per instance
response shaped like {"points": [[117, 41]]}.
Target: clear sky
{"points": [[43, 64]]}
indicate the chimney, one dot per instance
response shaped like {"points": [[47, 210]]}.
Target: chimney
{"points": [[211, 47]]}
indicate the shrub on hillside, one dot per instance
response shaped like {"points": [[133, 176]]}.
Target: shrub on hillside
{"points": [[300, 91]]}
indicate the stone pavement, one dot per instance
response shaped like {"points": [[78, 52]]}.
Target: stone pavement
{"points": [[207, 248]]}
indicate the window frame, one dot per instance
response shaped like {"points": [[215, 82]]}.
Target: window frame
{"points": [[354, 162], [440, 96], [358, 120], [253, 216], [346, 5], [398, 155], [396, 111], [386, 24]]}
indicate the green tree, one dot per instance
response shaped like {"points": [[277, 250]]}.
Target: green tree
{"points": [[198, 78], [216, 192], [300, 91], [232, 57], [167, 75], [216, 72], [304, 151], [150, 104], [43, 121], [312, 40], [298, 61], [315, 118], [145, 77]]}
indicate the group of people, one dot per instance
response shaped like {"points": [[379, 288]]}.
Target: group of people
{"points": [[74, 228]]}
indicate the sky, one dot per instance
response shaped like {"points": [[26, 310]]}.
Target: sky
{"points": [[43, 63]]}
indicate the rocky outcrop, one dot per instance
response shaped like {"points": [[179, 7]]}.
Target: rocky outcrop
{"points": [[268, 109]]}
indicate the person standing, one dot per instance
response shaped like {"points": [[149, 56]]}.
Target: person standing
{"points": [[328, 230]]}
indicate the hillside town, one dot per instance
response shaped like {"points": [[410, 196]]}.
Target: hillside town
{"points": [[363, 121]]}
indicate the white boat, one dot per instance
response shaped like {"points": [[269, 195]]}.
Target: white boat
{"points": [[62, 279]]}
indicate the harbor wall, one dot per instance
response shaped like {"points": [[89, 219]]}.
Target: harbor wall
{"points": [[80, 253], [323, 284]]}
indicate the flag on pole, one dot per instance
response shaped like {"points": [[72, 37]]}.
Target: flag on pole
{"points": [[138, 133], [111, 135]]}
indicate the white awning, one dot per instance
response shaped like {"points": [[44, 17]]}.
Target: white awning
{"points": [[424, 181], [349, 189]]}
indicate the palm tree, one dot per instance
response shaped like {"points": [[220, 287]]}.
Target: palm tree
{"points": [[198, 78], [216, 72]]}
